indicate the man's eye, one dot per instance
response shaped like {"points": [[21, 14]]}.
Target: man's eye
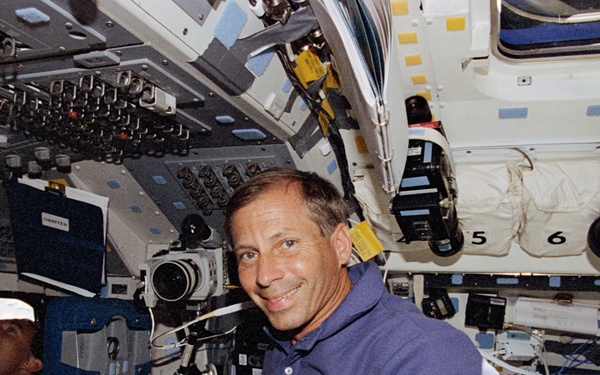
{"points": [[247, 256], [289, 243]]}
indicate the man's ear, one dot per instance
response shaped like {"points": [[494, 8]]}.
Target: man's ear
{"points": [[32, 365], [342, 242]]}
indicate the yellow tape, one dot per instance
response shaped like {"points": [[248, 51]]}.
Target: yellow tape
{"points": [[412, 60], [399, 7], [361, 145], [365, 241], [408, 38], [331, 81], [425, 94], [419, 79], [323, 120], [308, 67], [456, 23]]}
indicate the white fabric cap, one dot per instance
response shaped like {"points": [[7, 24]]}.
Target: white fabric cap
{"points": [[15, 309]]}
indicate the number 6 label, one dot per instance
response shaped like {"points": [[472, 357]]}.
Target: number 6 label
{"points": [[557, 238]]}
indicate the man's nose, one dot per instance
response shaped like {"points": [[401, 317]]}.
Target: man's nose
{"points": [[270, 269]]}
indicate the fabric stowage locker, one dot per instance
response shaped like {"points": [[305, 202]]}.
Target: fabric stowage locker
{"points": [[561, 199]]}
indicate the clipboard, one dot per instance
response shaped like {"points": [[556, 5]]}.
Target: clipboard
{"points": [[59, 234]]}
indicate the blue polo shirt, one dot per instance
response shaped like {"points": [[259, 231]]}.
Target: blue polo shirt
{"points": [[375, 332]]}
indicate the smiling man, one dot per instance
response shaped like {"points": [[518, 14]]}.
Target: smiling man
{"points": [[19, 339], [289, 234]]}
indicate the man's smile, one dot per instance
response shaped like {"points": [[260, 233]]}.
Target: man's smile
{"points": [[277, 302]]}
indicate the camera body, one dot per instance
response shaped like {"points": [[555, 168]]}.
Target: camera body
{"points": [[424, 205], [184, 275]]}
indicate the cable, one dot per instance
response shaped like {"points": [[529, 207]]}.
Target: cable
{"points": [[212, 314], [204, 338], [572, 359], [152, 322], [541, 356], [506, 366], [333, 135], [386, 268]]}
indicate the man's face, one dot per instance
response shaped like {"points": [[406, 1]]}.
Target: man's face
{"points": [[292, 273], [15, 343]]}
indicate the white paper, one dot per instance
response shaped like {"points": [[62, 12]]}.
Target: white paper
{"points": [[72, 288], [76, 194], [364, 71]]}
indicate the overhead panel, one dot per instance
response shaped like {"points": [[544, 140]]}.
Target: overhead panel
{"points": [[33, 29]]}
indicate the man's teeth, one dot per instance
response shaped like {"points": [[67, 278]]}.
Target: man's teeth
{"points": [[286, 295]]}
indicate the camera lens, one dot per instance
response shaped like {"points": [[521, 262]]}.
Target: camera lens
{"points": [[175, 280], [417, 110], [594, 237], [448, 246]]}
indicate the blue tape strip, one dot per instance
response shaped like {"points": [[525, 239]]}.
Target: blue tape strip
{"points": [[593, 110], [519, 335], [32, 16], [485, 340], [427, 152], [259, 63], [414, 212], [512, 113], [286, 85], [455, 303], [179, 205], [249, 134], [225, 120], [507, 281], [414, 181], [457, 279], [331, 167], [302, 105], [159, 180], [230, 24]]}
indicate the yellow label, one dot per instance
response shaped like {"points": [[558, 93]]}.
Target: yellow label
{"points": [[331, 81], [61, 181], [408, 38], [455, 23], [412, 60], [308, 67], [323, 120], [399, 7], [361, 145], [419, 79], [365, 241], [425, 94]]}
